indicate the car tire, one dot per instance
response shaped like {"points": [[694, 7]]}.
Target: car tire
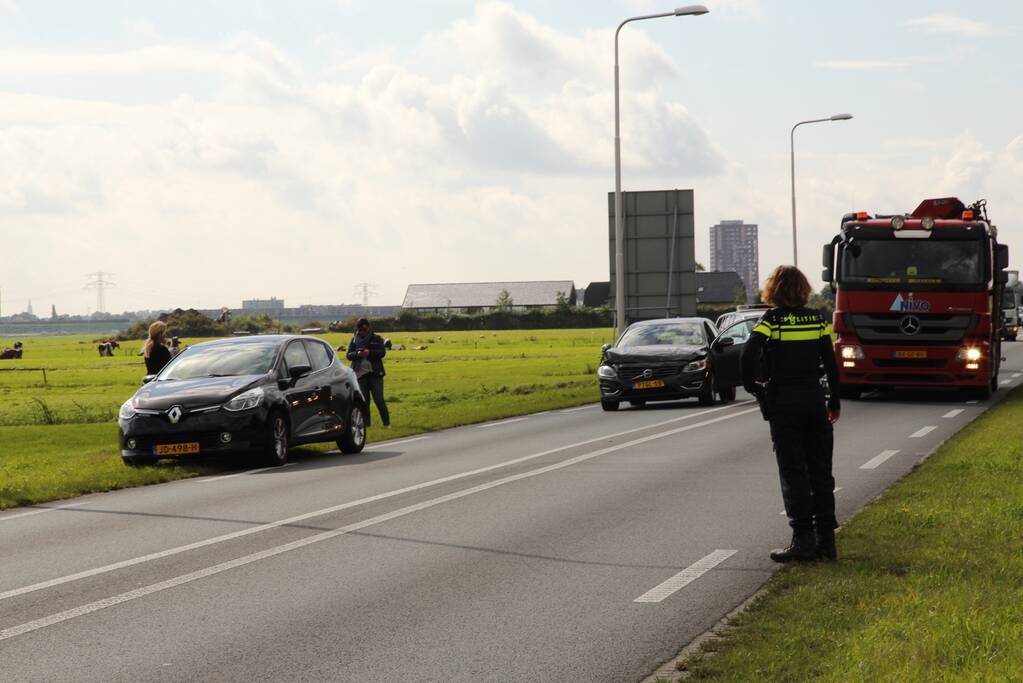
{"points": [[637, 404], [608, 405], [706, 396], [354, 438], [726, 394], [275, 445]]}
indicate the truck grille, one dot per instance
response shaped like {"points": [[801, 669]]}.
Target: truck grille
{"points": [[907, 363], [934, 328]]}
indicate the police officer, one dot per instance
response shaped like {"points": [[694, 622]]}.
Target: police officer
{"points": [[781, 367]]}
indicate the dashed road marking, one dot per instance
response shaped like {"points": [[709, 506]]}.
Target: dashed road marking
{"points": [[207, 480], [923, 431], [1006, 381], [685, 577], [388, 444], [575, 410], [973, 402], [1016, 375], [874, 462], [953, 413]]}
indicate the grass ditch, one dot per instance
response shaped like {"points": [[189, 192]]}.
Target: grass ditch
{"points": [[58, 405], [928, 587]]}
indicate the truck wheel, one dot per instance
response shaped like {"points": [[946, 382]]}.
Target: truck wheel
{"points": [[608, 405]]}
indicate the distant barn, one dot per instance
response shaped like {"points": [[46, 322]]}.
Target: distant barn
{"points": [[712, 288], [473, 297]]}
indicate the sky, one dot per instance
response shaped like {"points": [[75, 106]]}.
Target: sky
{"points": [[202, 153]]}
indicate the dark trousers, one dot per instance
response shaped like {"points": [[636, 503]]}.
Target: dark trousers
{"points": [[803, 443], [373, 384]]}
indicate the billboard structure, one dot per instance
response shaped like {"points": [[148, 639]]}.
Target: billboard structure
{"points": [[660, 254]]}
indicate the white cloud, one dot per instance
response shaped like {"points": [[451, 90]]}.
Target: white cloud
{"points": [[859, 64], [950, 24], [8, 7]]}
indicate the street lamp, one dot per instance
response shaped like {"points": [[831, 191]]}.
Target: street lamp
{"points": [[792, 151], [619, 218]]}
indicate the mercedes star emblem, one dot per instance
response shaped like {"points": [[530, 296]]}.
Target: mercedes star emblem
{"points": [[909, 324], [174, 414]]}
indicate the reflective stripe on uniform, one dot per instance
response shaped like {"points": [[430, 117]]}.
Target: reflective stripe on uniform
{"points": [[802, 332]]}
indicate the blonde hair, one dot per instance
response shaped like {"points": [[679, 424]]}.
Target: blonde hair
{"points": [[787, 287], [156, 330]]}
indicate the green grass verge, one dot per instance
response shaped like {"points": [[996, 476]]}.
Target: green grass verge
{"points": [[58, 404], [929, 585]]}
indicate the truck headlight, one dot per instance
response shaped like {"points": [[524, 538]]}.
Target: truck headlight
{"points": [[245, 401], [127, 410], [971, 354], [607, 372], [852, 353], [696, 365]]}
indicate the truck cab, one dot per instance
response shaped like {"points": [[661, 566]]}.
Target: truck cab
{"points": [[918, 298]]}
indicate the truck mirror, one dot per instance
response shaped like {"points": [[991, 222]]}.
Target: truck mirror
{"points": [[1001, 263], [827, 275]]}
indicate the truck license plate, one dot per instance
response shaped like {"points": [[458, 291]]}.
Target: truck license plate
{"points": [[911, 354]]}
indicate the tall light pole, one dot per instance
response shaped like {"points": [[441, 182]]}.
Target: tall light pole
{"points": [[619, 217], [792, 152]]}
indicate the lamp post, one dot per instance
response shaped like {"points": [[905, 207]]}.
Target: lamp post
{"points": [[688, 10], [792, 152]]}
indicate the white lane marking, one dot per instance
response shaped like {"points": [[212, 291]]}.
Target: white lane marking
{"points": [[1006, 381], [874, 462], [923, 431], [498, 424], [40, 511], [953, 413], [973, 402], [685, 577], [575, 410], [1015, 375], [376, 446], [388, 444], [326, 535], [207, 480], [337, 508]]}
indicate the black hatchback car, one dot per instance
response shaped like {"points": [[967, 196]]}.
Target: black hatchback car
{"points": [[661, 360], [256, 395]]}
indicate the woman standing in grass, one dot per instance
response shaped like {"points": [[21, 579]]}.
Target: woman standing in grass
{"points": [[156, 353]]}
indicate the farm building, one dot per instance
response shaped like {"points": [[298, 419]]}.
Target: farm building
{"points": [[711, 288], [473, 297]]}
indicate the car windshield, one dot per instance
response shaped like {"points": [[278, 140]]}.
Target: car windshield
{"points": [[222, 360], [913, 262], [668, 334]]}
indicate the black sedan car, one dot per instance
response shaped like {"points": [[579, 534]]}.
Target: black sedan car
{"points": [[660, 360], [256, 395]]}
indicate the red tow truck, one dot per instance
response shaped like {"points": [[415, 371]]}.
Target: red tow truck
{"points": [[918, 298]]}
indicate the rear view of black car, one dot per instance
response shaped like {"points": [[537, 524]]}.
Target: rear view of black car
{"points": [[658, 360], [256, 395]]}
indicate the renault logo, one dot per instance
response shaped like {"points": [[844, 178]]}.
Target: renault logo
{"points": [[909, 324], [174, 414]]}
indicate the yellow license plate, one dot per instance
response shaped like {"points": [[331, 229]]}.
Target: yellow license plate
{"points": [[176, 448], [649, 384], [911, 354]]}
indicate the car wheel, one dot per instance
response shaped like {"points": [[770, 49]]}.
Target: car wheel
{"points": [[354, 437], [276, 444], [637, 404], [608, 405], [726, 394], [706, 396]]}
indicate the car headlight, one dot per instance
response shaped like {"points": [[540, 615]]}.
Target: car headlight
{"points": [[245, 401], [127, 410], [607, 372], [696, 365]]}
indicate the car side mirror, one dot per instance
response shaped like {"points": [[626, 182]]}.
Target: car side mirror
{"points": [[300, 371], [724, 343], [604, 348], [148, 378], [827, 274]]}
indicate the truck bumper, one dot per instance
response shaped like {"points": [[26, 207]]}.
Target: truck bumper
{"points": [[913, 366]]}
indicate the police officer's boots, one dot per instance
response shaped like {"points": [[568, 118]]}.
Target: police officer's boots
{"points": [[825, 543], [802, 549]]}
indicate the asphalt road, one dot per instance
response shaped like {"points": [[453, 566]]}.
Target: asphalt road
{"points": [[567, 545]]}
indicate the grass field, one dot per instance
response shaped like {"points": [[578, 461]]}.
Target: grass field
{"points": [[928, 587], [58, 404]]}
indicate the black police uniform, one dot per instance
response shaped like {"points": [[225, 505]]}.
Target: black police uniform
{"points": [[788, 348]]}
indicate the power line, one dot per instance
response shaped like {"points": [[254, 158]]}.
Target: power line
{"points": [[99, 281], [364, 289]]}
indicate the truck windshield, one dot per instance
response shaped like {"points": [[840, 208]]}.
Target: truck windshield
{"points": [[918, 261]]}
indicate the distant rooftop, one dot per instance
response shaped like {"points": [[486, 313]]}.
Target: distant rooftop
{"points": [[486, 294]]}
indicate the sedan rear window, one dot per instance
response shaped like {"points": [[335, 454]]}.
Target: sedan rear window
{"points": [[221, 360]]}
